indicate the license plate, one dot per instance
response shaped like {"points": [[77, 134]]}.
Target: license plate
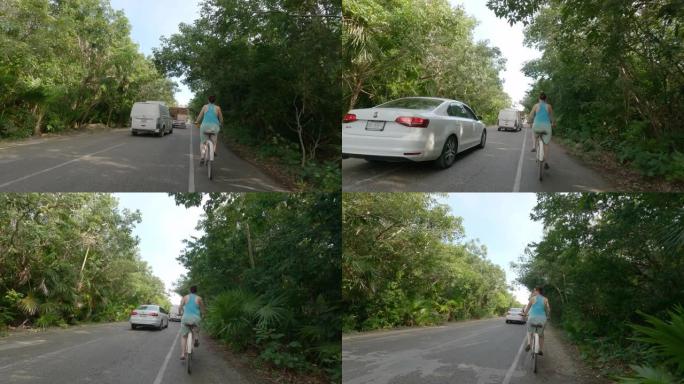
{"points": [[375, 126]]}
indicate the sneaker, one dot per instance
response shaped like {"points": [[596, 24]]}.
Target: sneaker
{"points": [[546, 165], [541, 353], [534, 150], [527, 348], [183, 357], [201, 162], [196, 343]]}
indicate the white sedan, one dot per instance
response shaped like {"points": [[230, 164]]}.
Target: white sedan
{"points": [[149, 315], [412, 128]]}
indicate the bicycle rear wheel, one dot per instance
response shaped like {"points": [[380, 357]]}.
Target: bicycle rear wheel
{"points": [[188, 358], [540, 158]]}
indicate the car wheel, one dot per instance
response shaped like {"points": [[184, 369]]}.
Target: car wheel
{"points": [[134, 133], [499, 129], [171, 131], [448, 156], [507, 322], [483, 139], [133, 326]]}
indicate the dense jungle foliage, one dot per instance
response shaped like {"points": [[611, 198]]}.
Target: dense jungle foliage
{"points": [[65, 64], [405, 263], [268, 267], [613, 269], [614, 72], [398, 48], [274, 66], [67, 258]]}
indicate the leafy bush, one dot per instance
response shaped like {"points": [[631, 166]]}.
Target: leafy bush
{"points": [[665, 341]]}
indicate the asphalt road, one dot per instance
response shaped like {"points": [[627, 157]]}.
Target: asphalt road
{"points": [[109, 353], [483, 352], [504, 165], [115, 161]]}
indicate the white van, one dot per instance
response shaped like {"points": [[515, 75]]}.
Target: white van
{"points": [[509, 119], [150, 117]]}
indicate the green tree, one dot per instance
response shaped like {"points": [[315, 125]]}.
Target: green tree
{"points": [[397, 48], [603, 259], [268, 266], [66, 64], [404, 264], [274, 67], [68, 258], [623, 93]]}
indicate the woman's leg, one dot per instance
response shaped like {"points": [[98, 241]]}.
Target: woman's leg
{"points": [[184, 341]]}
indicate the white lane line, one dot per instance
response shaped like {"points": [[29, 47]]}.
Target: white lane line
{"points": [[160, 375], [518, 175], [375, 177], [509, 374], [58, 166], [57, 352], [191, 176]]}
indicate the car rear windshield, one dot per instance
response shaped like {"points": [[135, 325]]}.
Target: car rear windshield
{"points": [[412, 103], [147, 307]]}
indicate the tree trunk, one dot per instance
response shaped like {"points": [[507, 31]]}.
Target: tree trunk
{"points": [[38, 113], [249, 247]]}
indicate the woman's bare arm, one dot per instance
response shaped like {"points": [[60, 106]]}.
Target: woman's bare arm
{"points": [[200, 116], [530, 118], [219, 114], [553, 119]]}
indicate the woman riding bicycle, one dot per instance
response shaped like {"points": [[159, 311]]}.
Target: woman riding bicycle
{"points": [[212, 120], [191, 311], [538, 311], [542, 117]]}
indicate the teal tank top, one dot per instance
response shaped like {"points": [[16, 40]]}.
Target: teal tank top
{"points": [[191, 307], [542, 117], [537, 309], [210, 117]]}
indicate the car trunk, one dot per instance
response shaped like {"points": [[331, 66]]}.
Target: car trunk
{"points": [[380, 122]]}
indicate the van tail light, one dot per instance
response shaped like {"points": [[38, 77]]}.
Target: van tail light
{"points": [[349, 118], [413, 122], [154, 314], [134, 313]]}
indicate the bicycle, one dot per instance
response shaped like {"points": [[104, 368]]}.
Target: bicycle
{"points": [[540, 155], [208, 149], [188, 348], [535, 346]]}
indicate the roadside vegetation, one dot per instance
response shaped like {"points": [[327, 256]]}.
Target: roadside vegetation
{"points": [[613, 269], [268, 267], [67, 64], [400, 48], [70, 258], [614, 72], [274, 67], [406, 263]]}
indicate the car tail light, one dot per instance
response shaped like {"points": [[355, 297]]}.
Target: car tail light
{"points": [[134, 313], [154, 314], [413, 122], [349, 118]]}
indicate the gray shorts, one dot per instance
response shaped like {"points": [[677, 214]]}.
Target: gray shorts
{"points": [[532, 321], [187, 321]]}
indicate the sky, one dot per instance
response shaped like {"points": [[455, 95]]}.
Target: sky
{"points": [[152, 19], [508, 39], [161, 233], [501, 221]]}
